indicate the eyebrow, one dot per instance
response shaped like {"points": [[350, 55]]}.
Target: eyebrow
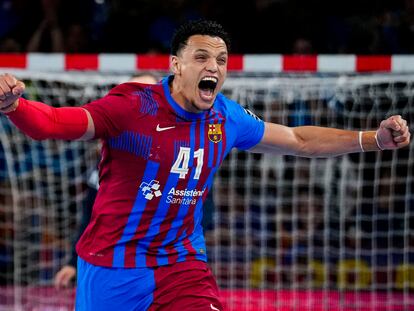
{"points": [[205, 51]]}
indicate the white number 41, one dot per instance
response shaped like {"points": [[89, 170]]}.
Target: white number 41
{"points": [[181, 164]]}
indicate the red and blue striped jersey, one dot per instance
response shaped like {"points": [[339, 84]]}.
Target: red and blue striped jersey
{"points": [[158, 163]]}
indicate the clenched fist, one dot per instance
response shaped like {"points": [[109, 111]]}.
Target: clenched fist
{"points": [[10, 91], [393, 133]]}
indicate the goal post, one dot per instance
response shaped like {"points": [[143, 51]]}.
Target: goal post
{"points": [[288, 233], [302, 231]]}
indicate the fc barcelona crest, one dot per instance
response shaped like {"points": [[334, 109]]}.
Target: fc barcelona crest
{"points": [[214, 132]]}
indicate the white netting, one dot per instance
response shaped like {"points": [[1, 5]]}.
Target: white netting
{"points": [[289, 233]]}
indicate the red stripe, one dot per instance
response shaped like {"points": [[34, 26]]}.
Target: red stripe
{"points": [[189, 226], [173, 255], [81, 62], [173, 209], [143, 225], [165, 227], [153, 62], [188, 222], [235, 62], [13, 60], [300, 63], [373, 63]]}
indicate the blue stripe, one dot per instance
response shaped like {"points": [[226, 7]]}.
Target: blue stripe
{"points": [[179, 246], [136, 144], [178, 144], [148, 104], [135, 216], [156, 221], [183, 209], [182, 251], [192, 144], [198, 242], [220, 149], [198, 213], [202, 125]]}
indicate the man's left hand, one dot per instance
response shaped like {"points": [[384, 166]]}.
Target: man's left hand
{"points": [[393, 133]]}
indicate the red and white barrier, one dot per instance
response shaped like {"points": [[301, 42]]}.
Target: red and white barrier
{"points": [[272, 63]]}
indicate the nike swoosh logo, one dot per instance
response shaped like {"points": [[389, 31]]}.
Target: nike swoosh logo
{"points": [[213, 307], [160, 129]]}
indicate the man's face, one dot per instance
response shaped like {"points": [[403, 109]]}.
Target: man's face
{"points": [[200, 69]]}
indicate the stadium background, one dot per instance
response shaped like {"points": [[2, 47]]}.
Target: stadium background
{"points": [[287, 234]]}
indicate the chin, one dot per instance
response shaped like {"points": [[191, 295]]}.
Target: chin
{"points": [[205, 106]]}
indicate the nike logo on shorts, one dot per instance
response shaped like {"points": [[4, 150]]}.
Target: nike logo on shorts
{"points": [[213, 307], [160, 129]]}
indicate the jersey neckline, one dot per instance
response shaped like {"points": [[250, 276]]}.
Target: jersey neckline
{"points": [[177, 108]]}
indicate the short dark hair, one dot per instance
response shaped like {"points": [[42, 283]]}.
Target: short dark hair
{"points": [[197, 27]]}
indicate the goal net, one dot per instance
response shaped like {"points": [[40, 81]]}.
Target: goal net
{"points": [[286, 233]]}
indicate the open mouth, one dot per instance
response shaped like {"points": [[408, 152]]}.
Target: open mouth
{"points": [[207, 87]]}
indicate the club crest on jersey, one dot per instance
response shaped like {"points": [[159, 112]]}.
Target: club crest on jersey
{"points": [[214, 132]]}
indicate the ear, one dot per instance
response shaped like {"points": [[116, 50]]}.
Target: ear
{"points": [[175, 65]]}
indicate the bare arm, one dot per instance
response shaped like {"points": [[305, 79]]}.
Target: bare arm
{"points": [[313, 141]]}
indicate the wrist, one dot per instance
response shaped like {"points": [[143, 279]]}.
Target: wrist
{"points": [[360, 141], [368, 141], [378, 141]]}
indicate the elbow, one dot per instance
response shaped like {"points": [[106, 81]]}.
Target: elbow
{"points": [[39, 134], [304, 148], [37, 137], [307, 152]]}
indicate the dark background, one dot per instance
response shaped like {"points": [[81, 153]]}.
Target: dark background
{"points": [[256, 26]]}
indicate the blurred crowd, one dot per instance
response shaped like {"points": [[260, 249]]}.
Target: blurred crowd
{"points": [[256, 26]]}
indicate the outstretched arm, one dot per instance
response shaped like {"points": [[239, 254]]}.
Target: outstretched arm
{"points": [[313, 141], [41, 121]]}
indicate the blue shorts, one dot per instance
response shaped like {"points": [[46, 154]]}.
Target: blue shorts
{"points": [[113, 289], [180, 286]]}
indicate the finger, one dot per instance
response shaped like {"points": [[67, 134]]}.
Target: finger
{"points": [[396, 133], [402, 131], [403, 143], [404, 140], [18, 90], [396, 117], [400, 138], [391, 124], [66, 280], [4, 87], [58, 280], [10, 80], [401, 122]]}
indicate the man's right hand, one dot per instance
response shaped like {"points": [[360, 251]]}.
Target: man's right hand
{"points": [[10, 91]]}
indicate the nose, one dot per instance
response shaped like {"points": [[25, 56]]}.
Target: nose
{"points": [[212, 65]]}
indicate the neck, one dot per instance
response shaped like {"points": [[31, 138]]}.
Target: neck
{"points": [[177, 94]]}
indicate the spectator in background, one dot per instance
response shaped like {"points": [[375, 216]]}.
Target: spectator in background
{"points": [[68, 272], [10, 45], [16, 20], [302, 46], [54, 35], [48, 36]]}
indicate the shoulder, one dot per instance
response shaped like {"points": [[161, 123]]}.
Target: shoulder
{"points": [[232, 109], [134, 89], [225, 105]]}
